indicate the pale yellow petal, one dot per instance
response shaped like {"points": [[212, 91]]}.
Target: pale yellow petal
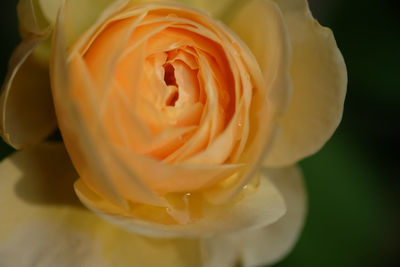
{"points": [[270, 244], [319, 80], [83, 13], [31, 19], [217, 9], [43, 223], [265, 245], [35, 14], [26, 107], [261, 26], [257, 208], [50, 9], [222, 251]]}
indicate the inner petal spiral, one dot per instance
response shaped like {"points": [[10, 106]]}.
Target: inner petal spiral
{"points": [[176, 88]]}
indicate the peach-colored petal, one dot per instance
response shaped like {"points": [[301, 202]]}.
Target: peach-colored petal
{"points": [[94, 175], [259, 207], [220, 150], [261, 117], [69, 123], [113, 40], [164, 178], [169, 140], [268, 244], [27, 114], [81, 132], [319, 79], [44, 224]]}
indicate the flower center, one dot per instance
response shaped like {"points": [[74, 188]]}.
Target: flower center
{"points": [[169, 75], [169, 79]]}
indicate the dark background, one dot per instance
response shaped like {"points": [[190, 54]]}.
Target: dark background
{"points": [[353, 189]]}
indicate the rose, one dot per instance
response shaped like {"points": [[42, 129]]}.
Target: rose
{"points": [[184, 110], [168, 210]]}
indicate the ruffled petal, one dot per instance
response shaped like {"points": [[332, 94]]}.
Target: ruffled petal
{"points": [[250, 210], [319, 81], [265, 245], [26, 107], [43, 223]]}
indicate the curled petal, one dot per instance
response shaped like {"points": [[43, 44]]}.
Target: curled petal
{"points": [[26, 108], [251, 210], [319, 81]]}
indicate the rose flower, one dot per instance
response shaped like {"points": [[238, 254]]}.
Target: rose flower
{"points": [[182, 122]]}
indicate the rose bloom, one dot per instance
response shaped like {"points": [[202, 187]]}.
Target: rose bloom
{"points": [[183, 121]]}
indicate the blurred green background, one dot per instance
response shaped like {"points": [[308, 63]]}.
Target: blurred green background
{"points": [[354, 194]]}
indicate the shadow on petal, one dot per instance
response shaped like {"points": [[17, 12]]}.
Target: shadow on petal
{"points": [[47, 175], [43, 224]]}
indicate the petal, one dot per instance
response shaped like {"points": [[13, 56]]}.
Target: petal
{"points": [[271, 86], [70, 125], [265, 245], [82, 13], [251, 210], [38, 207], [30, 17], [26, 107], [319, 79], [222, 251], [270, 244], [217, 9], [261, 26]]}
